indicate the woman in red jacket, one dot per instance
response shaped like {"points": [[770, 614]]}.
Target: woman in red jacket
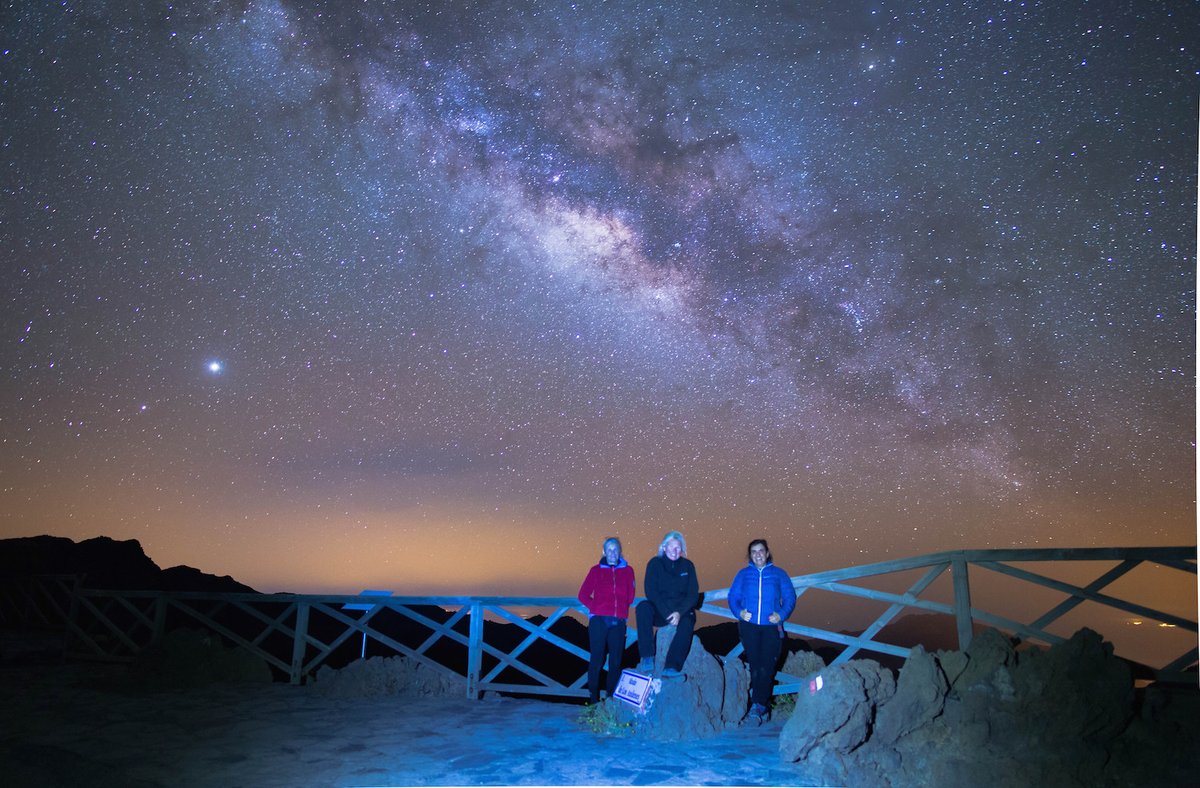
{"points": [[607, 592]]}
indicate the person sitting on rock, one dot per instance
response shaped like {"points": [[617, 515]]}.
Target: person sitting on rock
{"points": [[672, 595]]}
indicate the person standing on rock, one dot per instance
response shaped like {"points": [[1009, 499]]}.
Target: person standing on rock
{"points": [[607, 592], [672, 595], [762, 597]]}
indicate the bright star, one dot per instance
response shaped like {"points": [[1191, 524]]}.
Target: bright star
{"points": [[215, 367]]}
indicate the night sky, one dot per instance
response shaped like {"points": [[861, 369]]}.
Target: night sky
{"points": [[433, 297]]}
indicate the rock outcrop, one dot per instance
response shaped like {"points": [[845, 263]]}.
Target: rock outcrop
{"points": [[990, 715], [707, 698], [194, 658], [831, 722], [736, 699], [802, 664], [380, 676]]}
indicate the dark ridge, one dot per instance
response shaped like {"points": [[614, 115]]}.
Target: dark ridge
{"points": [[107, 564]]}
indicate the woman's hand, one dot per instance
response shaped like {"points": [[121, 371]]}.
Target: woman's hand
{"points": [[745, 615], [673, 619], [774, 618]]}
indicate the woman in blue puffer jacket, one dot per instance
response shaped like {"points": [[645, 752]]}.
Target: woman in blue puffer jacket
{"points": [[762, 597]]}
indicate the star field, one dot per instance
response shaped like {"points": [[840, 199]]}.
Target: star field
{"points": [[434, 296]]}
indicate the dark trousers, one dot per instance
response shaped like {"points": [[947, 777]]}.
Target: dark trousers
{"points": [[648, 618], [762, 643], [605, 633]]}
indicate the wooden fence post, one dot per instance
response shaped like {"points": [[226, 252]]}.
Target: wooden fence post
{"points": [[301, 636], [72, 612], [160, 618], [962, 602], [475, 650]]}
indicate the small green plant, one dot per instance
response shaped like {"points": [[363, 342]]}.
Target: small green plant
{"points": [[603, 719], [784, 706]]}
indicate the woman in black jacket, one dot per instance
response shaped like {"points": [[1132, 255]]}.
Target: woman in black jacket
{"points": [[672, 596]]}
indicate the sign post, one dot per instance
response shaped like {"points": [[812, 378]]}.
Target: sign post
{"points": [[364, 606]]}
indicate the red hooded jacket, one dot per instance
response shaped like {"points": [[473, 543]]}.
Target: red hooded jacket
{"points": [[608, 590]]}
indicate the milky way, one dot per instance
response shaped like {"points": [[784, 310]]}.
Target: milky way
{"points": [[332, 295]]}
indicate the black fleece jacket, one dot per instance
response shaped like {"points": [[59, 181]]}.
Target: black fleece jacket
{"points": [[671, 586]]}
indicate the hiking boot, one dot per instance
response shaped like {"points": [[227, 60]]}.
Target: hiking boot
{"points": [[672, 673], [646, 665], [757, 713]]}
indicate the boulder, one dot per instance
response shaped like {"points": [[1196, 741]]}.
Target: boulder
{"points": [[190, 657], [736, 700], [32, 646], [920, 696], [1079, 685], [990, 715], [1159, 746], [384, 676], [691, 706], [834, 720], [978, 663], [802, 664], [953, 664]]}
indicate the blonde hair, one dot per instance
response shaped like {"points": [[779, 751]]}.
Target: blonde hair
{"points": [[662, 548]]}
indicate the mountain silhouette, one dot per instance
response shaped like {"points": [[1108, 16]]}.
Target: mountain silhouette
{"points": [[108, 564]]}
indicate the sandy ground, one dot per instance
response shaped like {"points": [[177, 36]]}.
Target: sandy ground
{"points": [[86, 725]]}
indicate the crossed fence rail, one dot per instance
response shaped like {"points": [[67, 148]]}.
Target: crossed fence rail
{"points": [[464, 636]]}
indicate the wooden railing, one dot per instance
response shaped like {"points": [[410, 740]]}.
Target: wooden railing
{"points": [[297, 634], [959, 563], [464, 636]]}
